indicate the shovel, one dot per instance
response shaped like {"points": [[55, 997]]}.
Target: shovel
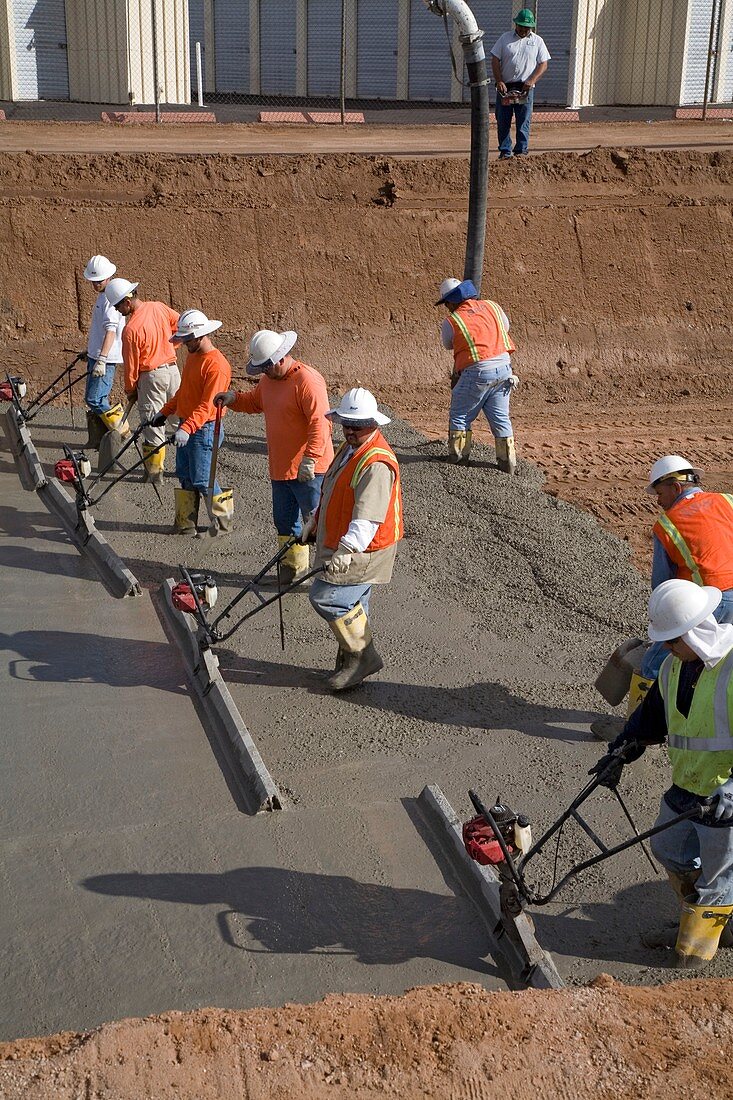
{"points": [[214, 526], [112, 442]]}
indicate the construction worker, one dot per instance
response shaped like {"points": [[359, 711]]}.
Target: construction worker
{"points": [[104, 352], [206, 372], [151, 371], [477, 332], [518, 60], [294, 401], [690, 706], [693, 539], [356, 530]]}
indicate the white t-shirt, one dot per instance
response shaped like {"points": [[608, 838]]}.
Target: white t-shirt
{"points": [[105, 318], [519, 57]]}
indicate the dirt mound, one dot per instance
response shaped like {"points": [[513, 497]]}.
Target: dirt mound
{"points": [[446, 1041]]}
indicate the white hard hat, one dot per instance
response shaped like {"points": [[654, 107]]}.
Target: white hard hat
{"points": [[267, 346], [666, 466], [119, 289], [193, 322], [677, 606], [445, 288], [99, 268], [358, 404]]}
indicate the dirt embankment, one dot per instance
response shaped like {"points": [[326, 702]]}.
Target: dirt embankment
{"points": [[442, 1042], [614, 267]]}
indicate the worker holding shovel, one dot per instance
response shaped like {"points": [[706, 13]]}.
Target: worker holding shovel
{"points": [[104, 352], [199, 434]]}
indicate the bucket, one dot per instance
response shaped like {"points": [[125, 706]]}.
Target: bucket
{"points": [[614, 680]]}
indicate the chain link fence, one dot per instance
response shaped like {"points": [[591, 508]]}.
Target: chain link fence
{"points": [[354, 54]]}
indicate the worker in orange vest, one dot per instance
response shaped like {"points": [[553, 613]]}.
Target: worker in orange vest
{"points": [[693, 539], [477, 332], [356, 530]]}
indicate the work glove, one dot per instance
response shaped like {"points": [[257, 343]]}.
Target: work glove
{"points": [[308, 534], [181, 438], [513, 381], [724, 806], [610, 780], [307, 469], [158, 420], [100, 367], [340, 561], [225, 398]]}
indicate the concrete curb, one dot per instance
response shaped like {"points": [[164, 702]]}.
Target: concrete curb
{"points": [[218, 705], [528, 964], [116, 577], [24, 452]]}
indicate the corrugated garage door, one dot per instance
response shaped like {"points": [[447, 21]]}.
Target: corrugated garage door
{"points": [[376, 74], [196, 34], [693, 88], [231, 38], [277, 47], [493, 17], [430, 68], [40, 43], [324, 47]]}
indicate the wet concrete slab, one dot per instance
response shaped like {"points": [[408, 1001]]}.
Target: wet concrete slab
{"points": [[132, 879]]}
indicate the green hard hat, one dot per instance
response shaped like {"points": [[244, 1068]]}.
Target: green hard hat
{"points": [[525, 18]]}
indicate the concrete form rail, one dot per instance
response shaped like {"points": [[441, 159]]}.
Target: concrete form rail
{"points": [[526, 962], [24, 452], [222, 716]]}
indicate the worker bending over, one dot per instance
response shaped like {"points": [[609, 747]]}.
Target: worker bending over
{"points": [[104, 352], [206, 372], [294, 401], [356, 529], [693, 539], [482, 381], [151, 371], [690, 706]]}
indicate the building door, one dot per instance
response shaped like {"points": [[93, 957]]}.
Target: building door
{"points": [[376, 59], [41, 54], [430, 67], [278, 47], [231, 39]]}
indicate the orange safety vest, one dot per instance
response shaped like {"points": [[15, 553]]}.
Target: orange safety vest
{"points": [[697, 534], [341, 502], [479, 333]]}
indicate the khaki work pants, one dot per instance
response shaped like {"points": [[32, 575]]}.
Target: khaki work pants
{"points": [[154, 388]]}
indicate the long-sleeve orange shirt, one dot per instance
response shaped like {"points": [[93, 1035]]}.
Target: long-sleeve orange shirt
{"points": [[295, 410], [205, 373], [146, 340]]}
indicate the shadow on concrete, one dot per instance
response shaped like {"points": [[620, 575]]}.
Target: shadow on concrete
{"points": [[483, 705], [58, 656], [296, 912], [31, 525]]}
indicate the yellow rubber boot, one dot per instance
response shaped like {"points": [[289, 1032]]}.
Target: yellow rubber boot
{"points": [[222, 505], [360, 658], [295, 564], [506, 454], [456, 446], [113, 419], [467, 446], [638, 688], [154, 462], [187, 511], [701, 927]]}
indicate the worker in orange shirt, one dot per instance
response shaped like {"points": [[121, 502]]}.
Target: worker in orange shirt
{"points": [[151, 371], [205, 373], [294, 401]]}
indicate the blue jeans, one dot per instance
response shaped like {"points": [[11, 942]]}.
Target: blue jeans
{"points": [[486, 389], [657, 651], [193, 462], [291, 500], [331, 601], [98, 390], [690, 847], [523, 114]]}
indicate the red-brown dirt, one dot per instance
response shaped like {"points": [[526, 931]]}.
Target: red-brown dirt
{"points": [[453, 1042]]}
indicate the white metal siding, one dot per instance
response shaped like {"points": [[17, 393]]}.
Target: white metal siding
{"points": [[40, 44], [324, 47], [278, 47], [376, 60], [231, 35], [97, 51], [430, 67], [174, 75], [696, 59]]}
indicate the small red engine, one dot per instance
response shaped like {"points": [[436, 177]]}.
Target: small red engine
{"points": [[6, 391], [183, 599], [481, 843], [64, 470]]}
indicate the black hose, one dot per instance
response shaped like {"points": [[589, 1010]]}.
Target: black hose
{"points": [[479, 170]]}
